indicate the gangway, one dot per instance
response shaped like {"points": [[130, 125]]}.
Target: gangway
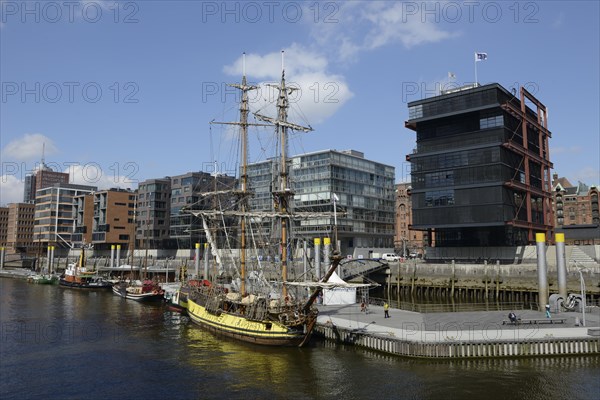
{"points": [[359, 267]]}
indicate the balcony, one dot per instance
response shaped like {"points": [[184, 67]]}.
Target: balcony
{"points": [[99, 237]]}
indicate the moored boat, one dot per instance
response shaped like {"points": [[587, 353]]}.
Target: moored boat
{"points": [[145, 291], [269, 313], [43, 279], [77, 276]]}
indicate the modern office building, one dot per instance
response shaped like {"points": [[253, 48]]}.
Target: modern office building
{"points": [[42, 178], [480, 175], [407, 241], [19, 229], [153, 214], [188, 191], [54, 214], [3, 225], [364, 190], [104, 218]]}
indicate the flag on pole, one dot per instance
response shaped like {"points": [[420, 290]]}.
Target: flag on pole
{"points": [[480, 56]]}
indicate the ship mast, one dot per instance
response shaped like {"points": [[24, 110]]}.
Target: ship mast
{"points": [[243, 124], [283, 195]]}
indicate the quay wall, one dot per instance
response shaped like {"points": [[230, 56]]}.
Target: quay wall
{"points": [[486, 280], [463, 349]]}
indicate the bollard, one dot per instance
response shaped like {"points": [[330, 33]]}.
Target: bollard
{"points": [[326, 253], [304, 258], [112, 256], [561, 266], [197, 260], [540, 240], [51, 268], [206, 256], [318, 258], [119, 257]]}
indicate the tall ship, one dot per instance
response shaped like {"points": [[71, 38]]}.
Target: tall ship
{"points": [[252, 308]]}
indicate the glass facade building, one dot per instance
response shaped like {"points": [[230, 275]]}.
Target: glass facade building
{"points": [[480, 175], [364, 189], [54, 214], [187, 191]]}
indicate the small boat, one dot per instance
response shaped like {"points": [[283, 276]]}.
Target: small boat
{"points": [[139, 291], [43, 279], [76, 276], [177, 300]]}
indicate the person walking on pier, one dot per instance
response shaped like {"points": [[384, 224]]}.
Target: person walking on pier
{"points": [[548, 311], [386, 310]]}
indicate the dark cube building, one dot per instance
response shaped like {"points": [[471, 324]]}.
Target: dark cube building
{"points": [[480, 174]]}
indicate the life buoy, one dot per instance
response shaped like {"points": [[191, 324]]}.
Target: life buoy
{"points": [[155, 292]]}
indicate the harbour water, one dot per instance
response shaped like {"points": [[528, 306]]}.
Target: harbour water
{"points": [[66, 344]]}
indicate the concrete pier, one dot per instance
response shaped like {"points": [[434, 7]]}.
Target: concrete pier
{"points": [[458, 335]]}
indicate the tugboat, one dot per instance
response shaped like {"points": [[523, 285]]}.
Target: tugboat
{"points": [[77, 276]]}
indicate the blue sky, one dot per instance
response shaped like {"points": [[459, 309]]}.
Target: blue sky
{"points": [[124, 91]]}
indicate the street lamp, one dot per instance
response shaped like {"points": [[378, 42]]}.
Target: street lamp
{"points": [[335, 199], [582, 283]]}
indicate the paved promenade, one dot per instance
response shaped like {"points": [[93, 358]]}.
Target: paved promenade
{"points": [[477, 326]]}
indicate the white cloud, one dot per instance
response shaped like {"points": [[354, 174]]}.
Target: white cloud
{"points": [[572, 150], [559, 21], [11, 189], [92, 174], [587, 175], [366, 26], [29, 147], [320, 93]]}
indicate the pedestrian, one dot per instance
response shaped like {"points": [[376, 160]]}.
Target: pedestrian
{"points": [[547, 310], [512, 317], [386, 310], [362, 306]]}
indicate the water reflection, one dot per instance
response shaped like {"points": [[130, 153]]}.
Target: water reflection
{"points": [[123, 349], [252, 365]]}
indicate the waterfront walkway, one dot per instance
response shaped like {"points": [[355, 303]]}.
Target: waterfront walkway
{"points": [[477, 326]]}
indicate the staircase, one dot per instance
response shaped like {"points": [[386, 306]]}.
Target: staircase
{"points": [[578, 256]]}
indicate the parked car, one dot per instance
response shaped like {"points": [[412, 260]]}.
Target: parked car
{"points": [[390, 257]]}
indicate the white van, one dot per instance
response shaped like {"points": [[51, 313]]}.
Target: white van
{"points": [[390, 257]]}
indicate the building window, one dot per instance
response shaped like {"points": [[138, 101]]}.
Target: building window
{"points": [[415, 112], [491, 122], [439, 198]]}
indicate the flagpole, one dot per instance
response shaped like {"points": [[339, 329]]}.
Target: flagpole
{"points": [[476, 84]]}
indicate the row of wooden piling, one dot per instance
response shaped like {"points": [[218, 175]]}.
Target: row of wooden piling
{"points": [[463, 349]]}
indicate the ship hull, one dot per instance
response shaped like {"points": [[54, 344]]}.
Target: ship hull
{"points": [[154, 296], [269, 333], [85, 285]]}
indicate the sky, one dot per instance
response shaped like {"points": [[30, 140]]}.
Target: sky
{"points": [[117, 92]]}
